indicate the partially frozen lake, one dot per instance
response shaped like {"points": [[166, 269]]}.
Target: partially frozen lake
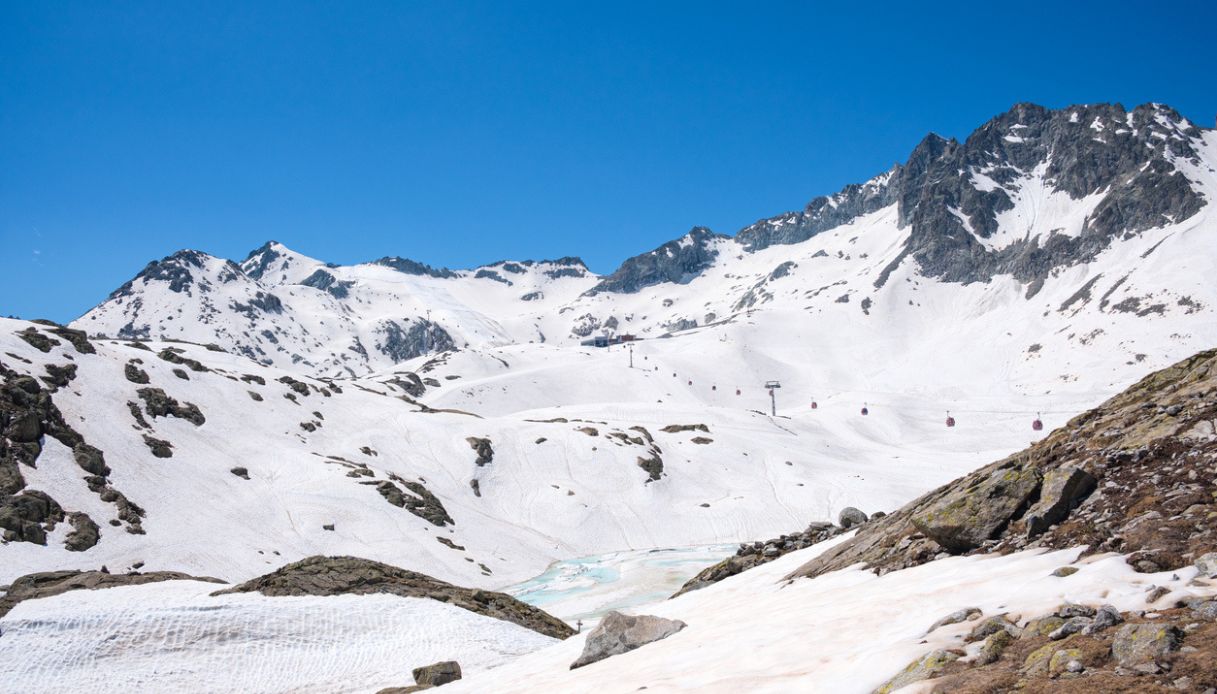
{"points": [[586, 587]]}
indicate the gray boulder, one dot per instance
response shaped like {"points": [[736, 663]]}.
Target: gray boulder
{"points": [[618, 633], [437, 673], [955, 618], [851, 516], [1142, 647], [1207, 564]]}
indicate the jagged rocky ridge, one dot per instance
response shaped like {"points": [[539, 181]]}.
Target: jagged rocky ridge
{"points": [[950, 193], [1032, 192]]}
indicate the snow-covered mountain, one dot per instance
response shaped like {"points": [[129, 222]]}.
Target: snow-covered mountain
{"points": [[1049, 214], [222, 418]]}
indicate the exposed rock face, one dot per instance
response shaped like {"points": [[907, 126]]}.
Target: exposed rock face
{"points": [[423, 503], [84, 535], [159, 404], [46, 584], [354, 576], [1151, 500], [752, 554], [965, 517], [135, 374], [328, 283], [413, 267], [481, 446], [420, 337], [59, 376], [618, 633], [674, 261], [950, 193], [1063, 488]]}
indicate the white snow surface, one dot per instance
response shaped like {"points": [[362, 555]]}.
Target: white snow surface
{"points": [[843, 632], [174, 637]]}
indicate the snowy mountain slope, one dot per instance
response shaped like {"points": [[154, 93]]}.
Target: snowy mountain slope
{"points": [[552, 489], [1021, 216], [835, 633], [842, 313], [175, 637]]}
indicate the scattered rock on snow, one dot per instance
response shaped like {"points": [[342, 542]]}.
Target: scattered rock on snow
{"points": [[618, 633], [437, 673], [923, 668]]}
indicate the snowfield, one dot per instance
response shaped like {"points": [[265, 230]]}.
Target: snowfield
{"points": [[846, 631], [174, 637]]}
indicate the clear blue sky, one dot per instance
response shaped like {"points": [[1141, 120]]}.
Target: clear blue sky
{"points": [[458, 133]]}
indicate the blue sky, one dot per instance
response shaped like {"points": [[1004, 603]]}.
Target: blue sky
{"points": [[459, 133]]}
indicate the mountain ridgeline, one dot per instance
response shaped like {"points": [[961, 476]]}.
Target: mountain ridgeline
{"points": [[1028, 195]]}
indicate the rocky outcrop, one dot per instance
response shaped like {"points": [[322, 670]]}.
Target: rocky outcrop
{"points": [[949, 194], [1149, 457], [158, 404], [420, 336], [752, 554], [1169, 649], [413, 267], [421, 502], [968, 515], [619, 633], [353, 576], [326, 282], [674, 261], [482, 447], [47, 584], [84, 535], [1062, 490]]}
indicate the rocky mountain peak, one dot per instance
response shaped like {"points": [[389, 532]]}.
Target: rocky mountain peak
{"points": [[674, 261]]}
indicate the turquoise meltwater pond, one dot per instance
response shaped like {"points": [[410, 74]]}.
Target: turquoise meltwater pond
{"points": [[585, 588]]}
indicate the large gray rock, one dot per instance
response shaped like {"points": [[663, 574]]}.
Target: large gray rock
{"points": [[1063, 488], [851, 516], [618, 633], [1207, 564], [438, 673], [964, 518], [1142, 647]]}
